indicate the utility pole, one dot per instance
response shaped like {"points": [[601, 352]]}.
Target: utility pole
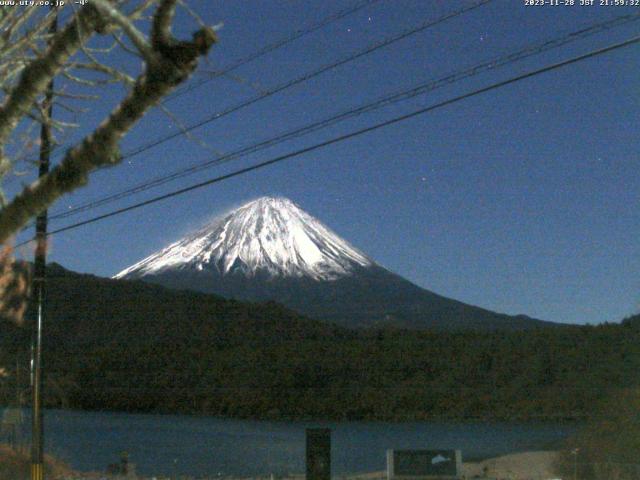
{"points": [[574, 452], [39, 283]]}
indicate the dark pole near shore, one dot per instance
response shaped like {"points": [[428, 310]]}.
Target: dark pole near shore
{"points": [[39, 283], [318, 454]]}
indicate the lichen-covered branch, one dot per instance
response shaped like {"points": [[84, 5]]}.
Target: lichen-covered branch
{"points": [[173, 61], [14, 287], [37, 74], [137, 38], [161, 27]]}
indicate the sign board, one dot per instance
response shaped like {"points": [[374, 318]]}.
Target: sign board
{"points": [[11, 426], [12, 416], [318, 454], [413, 464]]}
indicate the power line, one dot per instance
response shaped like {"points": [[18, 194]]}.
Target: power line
{"points": [[265, 50], [350, 135], [274, 46], [308, 76], [386, 100]]}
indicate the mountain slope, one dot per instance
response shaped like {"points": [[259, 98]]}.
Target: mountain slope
{"points": [[270, 249], [129, 345], [270, 235]]}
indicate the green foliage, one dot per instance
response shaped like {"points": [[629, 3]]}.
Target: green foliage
{"points": [[607, 448], [137, 347]]}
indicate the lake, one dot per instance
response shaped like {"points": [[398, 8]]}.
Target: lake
{"points": [[207, 446]]}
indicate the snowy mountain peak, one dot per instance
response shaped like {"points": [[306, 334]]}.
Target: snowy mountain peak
{"points": [[269, 235]]}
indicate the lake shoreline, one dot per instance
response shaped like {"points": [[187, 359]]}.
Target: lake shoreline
{"points": [[531, 465], [524, 419], [194, 447]]}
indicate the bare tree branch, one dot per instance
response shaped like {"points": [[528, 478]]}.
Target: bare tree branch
{"points": [[127, 26], [161, 27], [170, 63], [36, 76]]}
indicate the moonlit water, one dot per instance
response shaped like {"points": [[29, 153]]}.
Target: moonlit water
{"points": [[206, 446]]}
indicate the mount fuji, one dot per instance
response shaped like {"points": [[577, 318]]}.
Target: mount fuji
{"points": [[270, 249]]}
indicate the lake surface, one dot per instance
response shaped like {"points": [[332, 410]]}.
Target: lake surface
{"points": [[207, 446]]}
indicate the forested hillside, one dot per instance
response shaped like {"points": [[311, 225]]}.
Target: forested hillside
{"points": [[132, 346]]}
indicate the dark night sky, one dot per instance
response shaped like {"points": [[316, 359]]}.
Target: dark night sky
{"points": [[520, 200]]}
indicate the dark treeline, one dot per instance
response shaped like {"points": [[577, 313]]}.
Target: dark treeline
{"points": [[136, 347]]}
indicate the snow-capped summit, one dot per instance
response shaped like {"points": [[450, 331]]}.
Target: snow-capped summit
{"points": [[270, 235], [271, 250]]}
